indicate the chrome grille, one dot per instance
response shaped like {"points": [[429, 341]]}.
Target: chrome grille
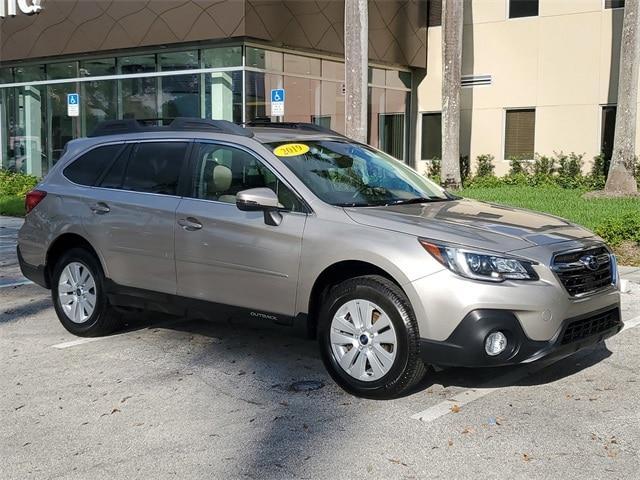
{"points": [[584, 271]]}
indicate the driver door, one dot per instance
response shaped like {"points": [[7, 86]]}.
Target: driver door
{"points": [[228, 256]]}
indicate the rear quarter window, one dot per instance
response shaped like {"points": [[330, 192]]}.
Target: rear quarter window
{"points": [[88, 168]]}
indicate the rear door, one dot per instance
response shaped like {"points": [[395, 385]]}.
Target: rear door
{"points": [[229, 256], [131, 214]]}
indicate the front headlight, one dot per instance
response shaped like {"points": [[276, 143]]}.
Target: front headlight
{"points": [[479, 265]]}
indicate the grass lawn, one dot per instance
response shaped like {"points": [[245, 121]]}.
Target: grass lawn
{"points": [[11, 205], [568, 204]]}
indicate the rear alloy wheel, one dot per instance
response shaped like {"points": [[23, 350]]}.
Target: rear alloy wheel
{"points": [[79, 297], [77, 292], [369, 338]]}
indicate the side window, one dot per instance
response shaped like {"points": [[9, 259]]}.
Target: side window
{"points": [[154, 167], [221, 172], [88, 168], [114, 175]]}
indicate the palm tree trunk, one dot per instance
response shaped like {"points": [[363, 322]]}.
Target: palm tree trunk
{"points": [[621, 178], [452, 20], [356, 56]]}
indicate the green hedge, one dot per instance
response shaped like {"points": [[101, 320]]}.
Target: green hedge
{"points": [[561, 170], [15, 184]]}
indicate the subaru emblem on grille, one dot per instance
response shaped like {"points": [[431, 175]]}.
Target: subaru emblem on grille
{"points": [[590, 261]]}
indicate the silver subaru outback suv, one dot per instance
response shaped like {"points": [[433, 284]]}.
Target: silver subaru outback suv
{"points": [[293, 222]]}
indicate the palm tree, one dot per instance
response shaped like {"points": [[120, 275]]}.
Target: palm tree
{"points": [[452, 21], [621, 178], [356, 57]]}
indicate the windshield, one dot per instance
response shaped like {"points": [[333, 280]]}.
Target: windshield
{"points": [[354, 175]]}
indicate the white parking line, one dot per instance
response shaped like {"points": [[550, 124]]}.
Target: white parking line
{"points": [[16, 284], [468, 396], [78, 341]]}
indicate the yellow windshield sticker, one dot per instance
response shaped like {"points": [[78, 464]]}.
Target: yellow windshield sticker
{"points": [[291, 150]]}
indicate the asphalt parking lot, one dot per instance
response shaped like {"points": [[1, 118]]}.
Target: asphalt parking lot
{"points": [[182, 398]]}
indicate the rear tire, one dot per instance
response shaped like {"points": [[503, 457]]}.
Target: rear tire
{"points": [[79, 297], [369, 338]]}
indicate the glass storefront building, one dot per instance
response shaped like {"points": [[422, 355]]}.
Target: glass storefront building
{"points": [[230, 81]]}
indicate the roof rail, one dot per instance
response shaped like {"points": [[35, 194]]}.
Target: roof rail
{"points": [[115, 127], [311, 127]]}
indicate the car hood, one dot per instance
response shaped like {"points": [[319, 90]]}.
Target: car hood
{"points": [[472, 223]]}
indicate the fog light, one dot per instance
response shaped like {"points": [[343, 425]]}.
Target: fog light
{"points": [[495, 343]]}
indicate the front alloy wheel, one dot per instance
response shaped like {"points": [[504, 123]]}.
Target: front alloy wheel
{"points": [[369, 339], [363, 340]]}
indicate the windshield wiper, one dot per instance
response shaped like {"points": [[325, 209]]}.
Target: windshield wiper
{"points": [[409, 201]]}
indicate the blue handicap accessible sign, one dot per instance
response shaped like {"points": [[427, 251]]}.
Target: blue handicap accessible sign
{"points": [[277, 95], [277, 102], [73, 104]]}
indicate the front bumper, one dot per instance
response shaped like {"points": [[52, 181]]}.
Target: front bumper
{"points": [[465, 346]]}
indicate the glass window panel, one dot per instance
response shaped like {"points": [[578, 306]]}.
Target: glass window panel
{"points": [[519, 135], [396, 101], [258, 94], [155, 167], [332, 106], [392, 134], [99, 102], [223, 96], [63, 127], [302, 99], [31, 73], [180, 96], [375, 108], [137, 64], [24, 130], [608, 130], [264, 59], [62, 70], [434, 8], [6, 75], [377, 76], [98, 67], [178, 60], [333, 70], [613, 3], [523, 8], [301, 65], [222, 57], [431, 136], [139, 98], [398, 79]]}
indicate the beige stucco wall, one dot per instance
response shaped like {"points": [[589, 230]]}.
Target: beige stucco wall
{"points": [[560, 62]]}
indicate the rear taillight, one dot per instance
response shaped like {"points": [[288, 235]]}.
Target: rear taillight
{"points": [[33, 198]]}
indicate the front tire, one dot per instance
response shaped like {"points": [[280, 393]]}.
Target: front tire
{"points": [[79, 297], [369, 338]]}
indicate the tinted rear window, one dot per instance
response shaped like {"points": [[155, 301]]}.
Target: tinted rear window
{"points": [[155, 167], [86, 169]]}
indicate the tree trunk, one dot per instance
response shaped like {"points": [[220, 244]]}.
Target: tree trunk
{"points": [[621, 178], [451, 68], [356, 56]]}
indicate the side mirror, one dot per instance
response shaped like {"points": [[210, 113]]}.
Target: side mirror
{"points": [[260, 199]]}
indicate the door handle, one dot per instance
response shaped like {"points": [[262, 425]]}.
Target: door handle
{"points": [[190, 224], [100, 208]]}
